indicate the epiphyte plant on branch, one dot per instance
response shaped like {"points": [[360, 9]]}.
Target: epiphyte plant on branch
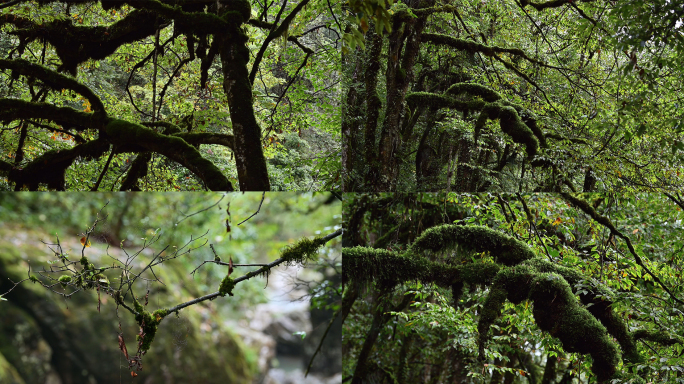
{"points": [[510, 95], [94, 92], [133, 282], [575, 309]]}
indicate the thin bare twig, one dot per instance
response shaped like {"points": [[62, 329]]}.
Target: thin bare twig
{"points": [[201, 210], [263, 195], [332, 320]]}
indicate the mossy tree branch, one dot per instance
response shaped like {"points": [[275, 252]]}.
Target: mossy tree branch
{"points": [[583, 326], [589, 210], [491, 106], [125, 133], [52, 79], [49, 168], [92, 42], [291, 255], [473, 46]]}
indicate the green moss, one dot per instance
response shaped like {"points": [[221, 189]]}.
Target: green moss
{"points": [[441, 274], [387, 268], [160, 314], [486, 93], [138, 307], [557, 311], [490, 312], [64, 279], [503, 248], [84, 262], [149, 325], [302, 251], [226, 287], [148, 322], [478, 272], [241, 7], [513, 126], [516, 280], [125, 133], [33, 278], [435, 100]]}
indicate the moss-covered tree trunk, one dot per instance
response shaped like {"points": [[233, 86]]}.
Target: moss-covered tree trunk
{"points": [[249, 155], [352, 115], [406, 36], [373, 105]]}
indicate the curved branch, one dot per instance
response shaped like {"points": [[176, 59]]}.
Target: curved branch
{"points": [[121, 132], [472, 46], [49, 167], [280, 30], [15, 109], [589, 210], [52, 79], [90, 42], [207, 138]]}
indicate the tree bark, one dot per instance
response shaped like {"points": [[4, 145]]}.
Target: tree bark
{"points": [[249, 155]]}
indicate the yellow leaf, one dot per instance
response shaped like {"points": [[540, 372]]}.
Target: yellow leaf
{"points": [[83, 241]]}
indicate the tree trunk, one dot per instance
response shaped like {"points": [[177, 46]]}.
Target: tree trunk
{"points": [[249, 155], [398, 79]]}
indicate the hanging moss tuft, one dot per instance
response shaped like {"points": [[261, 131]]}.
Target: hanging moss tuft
{"points": [[226, 287], [302, 251], [513, 126], [149, 323], [490, 312]]}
